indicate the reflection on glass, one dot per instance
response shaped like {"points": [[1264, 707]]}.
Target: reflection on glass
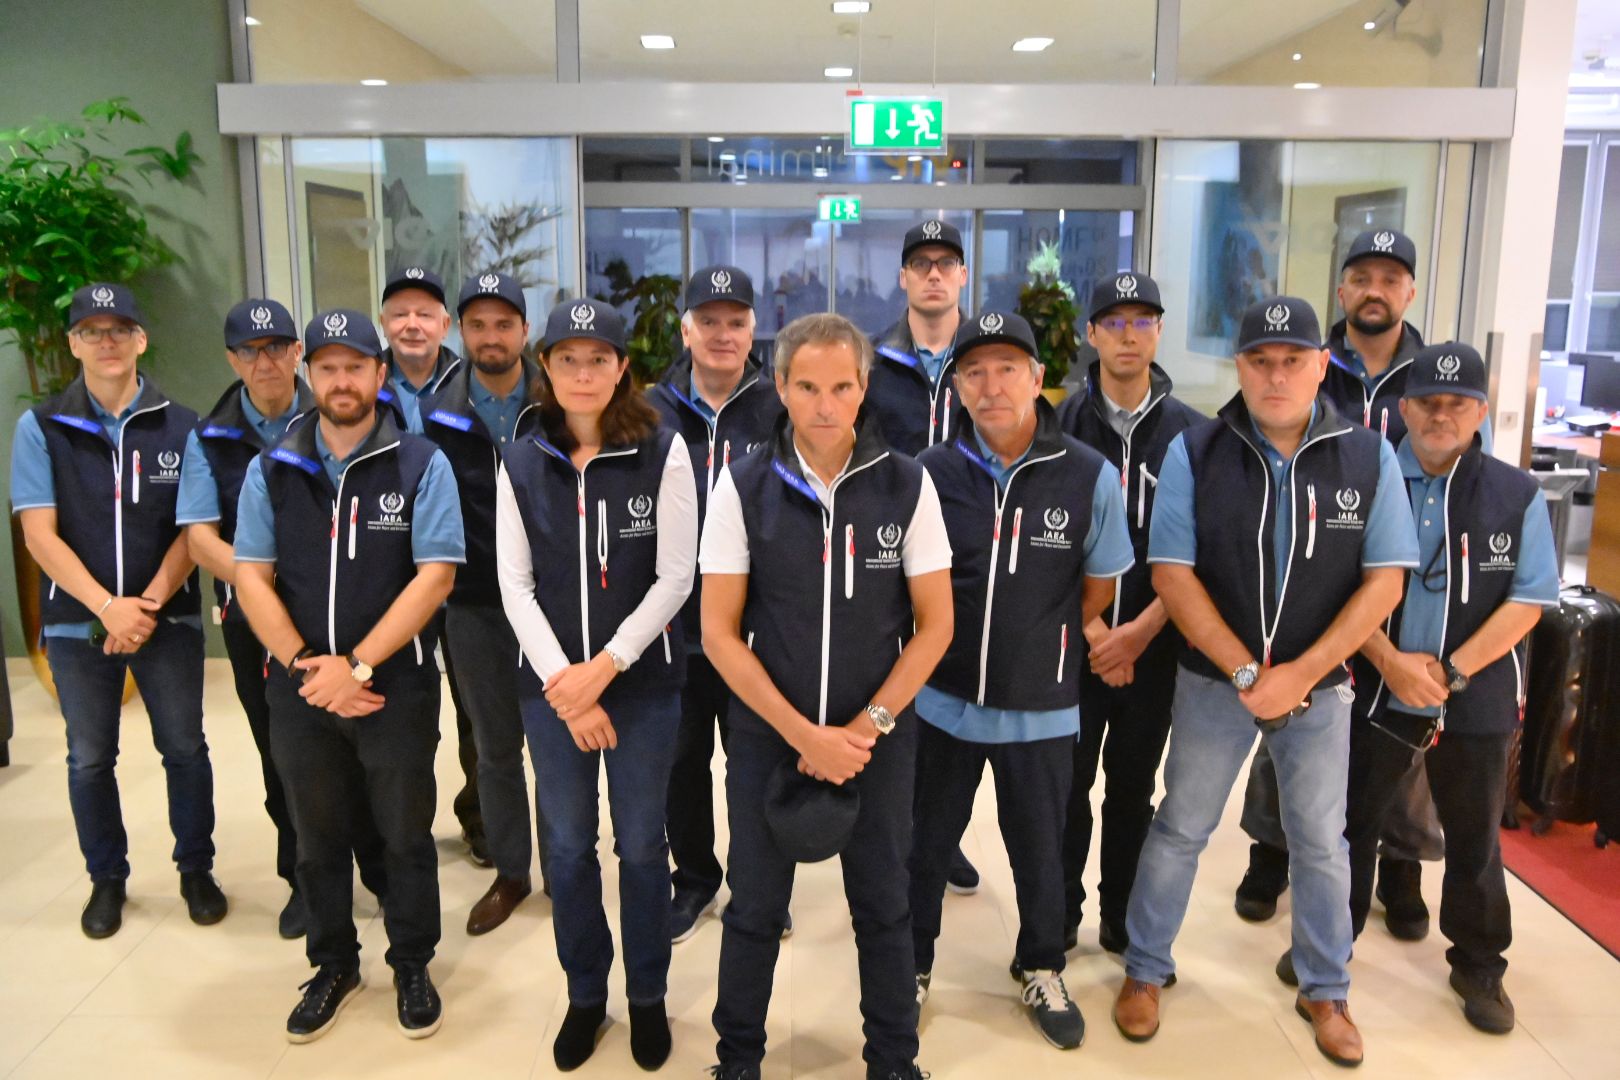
{"points": [[345, 41], [764, 160], [1603, 327], [623, 246], [1555, 330], [868, 253], [1332, 42], [784, 251], [1090, 243], [1058, 161], [630, 160]]}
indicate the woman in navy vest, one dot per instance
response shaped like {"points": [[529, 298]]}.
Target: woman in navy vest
{"points": [[596, 545]]}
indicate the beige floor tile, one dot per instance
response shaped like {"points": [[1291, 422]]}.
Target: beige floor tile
{"points": [[171, 1047]]}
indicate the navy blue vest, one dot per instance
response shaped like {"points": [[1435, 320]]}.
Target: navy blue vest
{"points": [[1378, 407], [230, 442], [743, 424], [449, 419], [338, 590], [1017, 568], [1330, 493], [593, 536], [1485, 504], [115, 499], [1138, 460], [827, 596], [912, 412]]}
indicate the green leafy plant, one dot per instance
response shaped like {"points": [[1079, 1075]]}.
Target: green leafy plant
{"points": [[654, 337], [1046, 301], [69, 216]]}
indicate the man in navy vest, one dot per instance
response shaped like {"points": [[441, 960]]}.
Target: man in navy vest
{"points": [[118, 593], [1278, 545], [1450, 662], [1038, 540], [718, 398], [262, 347], [477, 409], [827, 549], [353, 689], [1128, 414], [1371, 349], [415, 322], [910, 395]]}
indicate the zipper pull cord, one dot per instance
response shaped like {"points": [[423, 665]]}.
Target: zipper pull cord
{"points": [[135, 489], [602, 537], [826, 538], [726, 455], [354, 523], [333, 535]]}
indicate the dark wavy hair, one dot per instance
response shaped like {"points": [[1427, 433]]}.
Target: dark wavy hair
{"points": [[626, 420]]}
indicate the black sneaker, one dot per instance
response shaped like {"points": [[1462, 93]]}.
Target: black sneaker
{"points": [[324, 997], [1112, 937], [1285, 969], [733, 1071], [420, 1010], [478, 849], [787, 926], [1400, 890], [924, 980], [205, 901], [962, 879], [1485, 1004], [909, 1072], [1055, 1014], [294, 919], [1264, 881], [104, 911], [686, 909]]}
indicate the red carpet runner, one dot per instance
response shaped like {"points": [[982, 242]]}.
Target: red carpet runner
{"points": [[1571, 874]]}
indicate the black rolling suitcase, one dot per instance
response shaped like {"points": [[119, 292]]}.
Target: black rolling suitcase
{"points": [[1569, 764]]}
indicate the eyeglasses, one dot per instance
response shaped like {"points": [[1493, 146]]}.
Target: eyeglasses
{"points": [[1277, 723], [275, 350], [93, 334], [1430, 733], [922, 264], [1116, 324]]}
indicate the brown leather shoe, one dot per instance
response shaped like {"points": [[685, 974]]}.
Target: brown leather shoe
{"points": [[1336, 1034], [1136, 1010], [497, 905]]}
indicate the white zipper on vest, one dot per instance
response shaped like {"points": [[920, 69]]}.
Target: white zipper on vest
{"points": [[1141, 493], [714, 433], [669, 657], [849, 562], [995, 563], [1018, 526], [1383, 424], [331, 578], [1310, 534], [827, 513], [354, 523], [1063, 649], [135, 485]]}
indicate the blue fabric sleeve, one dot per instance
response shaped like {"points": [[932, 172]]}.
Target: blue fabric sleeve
{"points": [[1485, 438], [255, 519], [1108, 540], [32, 485], [1171, 537], [1535, 577], [198, 500], [436, 530], [1391, 537]]}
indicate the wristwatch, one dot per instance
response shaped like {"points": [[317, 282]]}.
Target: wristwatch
{"points": [[1455, 680], [882, 718], [359, 669], [620, 664], [1246, 676]]}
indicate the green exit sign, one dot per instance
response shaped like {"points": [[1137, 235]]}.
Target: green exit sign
{"points": [[840, 208], [878, 125]]}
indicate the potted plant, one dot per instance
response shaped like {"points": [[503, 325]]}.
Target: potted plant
{"points": [[1047, 302], [69, 215], [654, 336]]}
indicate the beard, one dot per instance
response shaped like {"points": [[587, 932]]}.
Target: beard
{"points": [[345, 411], [1375, 324], [495, 363]]}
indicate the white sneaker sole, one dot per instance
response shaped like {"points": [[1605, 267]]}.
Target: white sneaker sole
{"points": [[962, 890], [706, 910], [311, 1036], [424, 1032]]}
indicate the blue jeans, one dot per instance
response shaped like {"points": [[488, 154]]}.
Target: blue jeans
{"points": [[638, 781], [1210, 735], [90, 684]]}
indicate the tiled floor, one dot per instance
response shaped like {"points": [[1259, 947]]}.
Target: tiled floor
{"points": [[164, 998]]}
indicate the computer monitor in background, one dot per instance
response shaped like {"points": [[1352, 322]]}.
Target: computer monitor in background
{"points": [[1579, 359], [1562, 382], [1601, 388]]}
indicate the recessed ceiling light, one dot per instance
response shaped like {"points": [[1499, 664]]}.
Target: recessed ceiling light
{"points": [[717, 138], [1031, 44], [1369, 25], [914, 157], [657, 41], [1298, 57], [727, 155], [838, 72], [251, 21], [851, 7], [939, 183], [897, 176], [1307, 86], [373, 82]]}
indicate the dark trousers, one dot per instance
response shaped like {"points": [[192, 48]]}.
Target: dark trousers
{"points": [[705, 700], [465, 804], [168, 673], [332, 767], [1124, 728], [875, 885], [484, 652], [1032, 785], [638, 778], [1467, 777], [248, 669]]}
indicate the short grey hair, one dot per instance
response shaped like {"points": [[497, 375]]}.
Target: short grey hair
{"points": [[823, 328]]}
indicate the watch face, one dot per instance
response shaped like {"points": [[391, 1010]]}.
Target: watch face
{"points": [[1245, 677]]}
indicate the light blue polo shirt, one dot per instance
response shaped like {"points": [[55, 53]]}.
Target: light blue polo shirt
{"points": [[500, 415], [933, 363], [436, 529], [198, 501], [1535, 575], [1108, 554]]}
